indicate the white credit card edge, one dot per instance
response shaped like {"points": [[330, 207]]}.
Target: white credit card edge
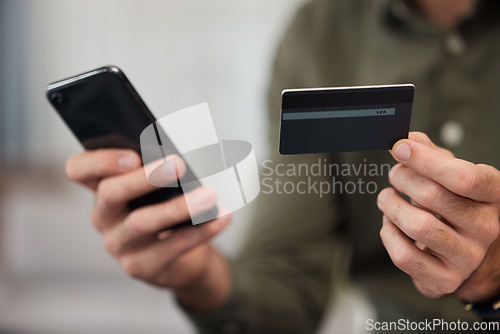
{"points": [[345, 88]]}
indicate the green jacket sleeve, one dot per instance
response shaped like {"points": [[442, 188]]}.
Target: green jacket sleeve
{"points": [[281, 276]]}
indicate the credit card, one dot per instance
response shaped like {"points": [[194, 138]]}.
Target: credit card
{"points": [[344, 119]]}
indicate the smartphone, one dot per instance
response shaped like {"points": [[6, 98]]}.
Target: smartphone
{"points": [[103, 110]]}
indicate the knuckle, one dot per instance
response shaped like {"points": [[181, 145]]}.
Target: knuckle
{"points": [[422, 228], [383, 233], [69, 169], [476, 257], [132, 267], [106, 192], [491, 178], [491, 231], [433, 193], [430, 292], [110, 246], [403, 260], [395, 173], [420, 137], [424, 136], [95, 220], [136, 222], [447, 152], [449, 284], [467, 180], [487, 169], [392, 206], [488, 225]]}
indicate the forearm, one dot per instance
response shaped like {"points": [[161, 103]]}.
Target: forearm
{"points": [[211, 289]]}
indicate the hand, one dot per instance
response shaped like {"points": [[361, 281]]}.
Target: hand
{"points": [[181, 259], [453, 218]]}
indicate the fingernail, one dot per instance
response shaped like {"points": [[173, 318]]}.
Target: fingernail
{"points": [[403, 152], [168, 169], [201, 198], [128, 161]]}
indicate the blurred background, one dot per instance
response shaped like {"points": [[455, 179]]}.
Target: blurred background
{"points": [[55, 276]]}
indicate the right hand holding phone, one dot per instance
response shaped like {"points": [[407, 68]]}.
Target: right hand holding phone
{"points": [[181, 258]]}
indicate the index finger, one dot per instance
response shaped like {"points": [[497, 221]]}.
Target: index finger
{"points": [[115, 192], [90, 166], [477, 182], [422, 138]]}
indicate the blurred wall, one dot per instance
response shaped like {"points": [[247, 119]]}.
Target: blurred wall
{"points": [[55, 274], [176, 52]]}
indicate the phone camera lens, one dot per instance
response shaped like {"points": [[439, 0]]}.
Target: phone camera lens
{"points": [[57, 98]]}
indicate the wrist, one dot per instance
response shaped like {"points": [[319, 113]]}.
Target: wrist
{"points": [[475, 292], [484, 283], [489, 311], [210, 290]]}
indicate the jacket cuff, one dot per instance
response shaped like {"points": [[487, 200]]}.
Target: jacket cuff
{"points": [[232, 318]]}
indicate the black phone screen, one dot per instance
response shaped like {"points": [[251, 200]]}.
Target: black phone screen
{"points": [[103, 110]]}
